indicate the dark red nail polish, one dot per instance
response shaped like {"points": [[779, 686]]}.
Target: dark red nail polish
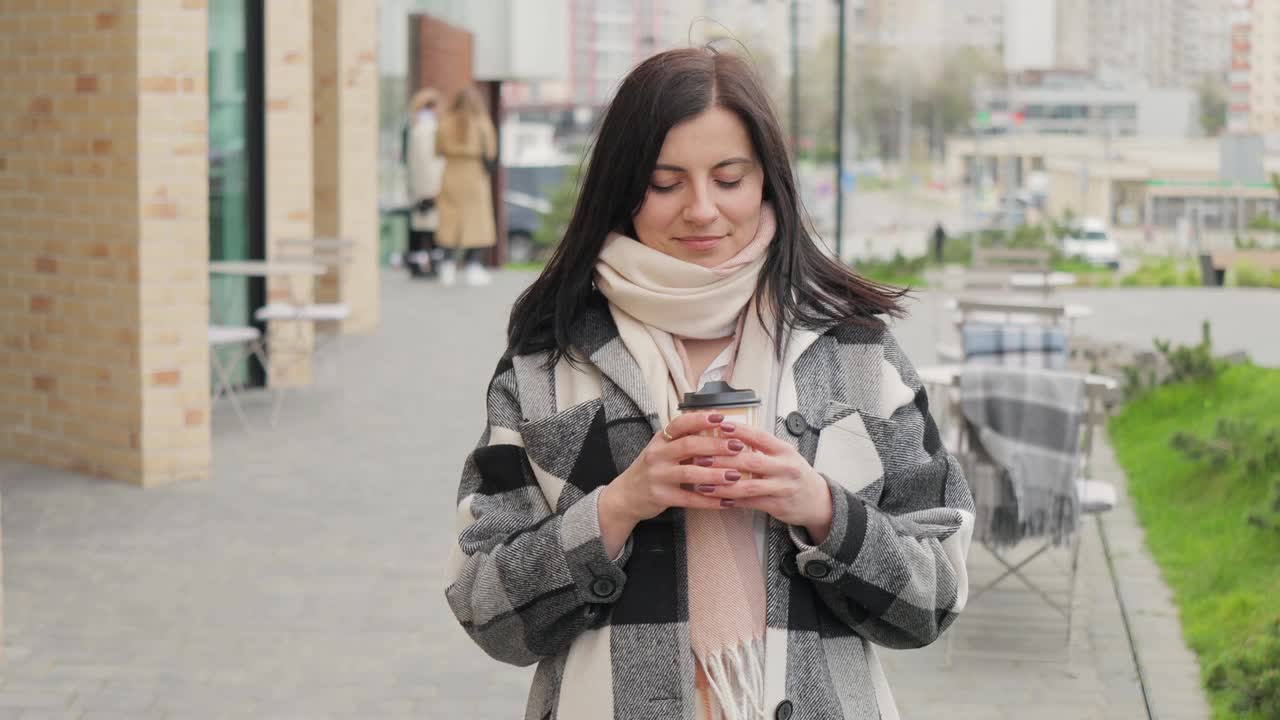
{"points": [[728, 427], [715, 417], [704, 461], [727, 503], [736, 445], [732, 476], [708, 489]]}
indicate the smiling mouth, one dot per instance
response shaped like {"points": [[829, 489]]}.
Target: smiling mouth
{"points": [[701, 241]]}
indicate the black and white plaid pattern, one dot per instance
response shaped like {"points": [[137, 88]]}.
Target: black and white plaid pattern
{"points": [[530, 580], [1025, 425], [1026, 345]]}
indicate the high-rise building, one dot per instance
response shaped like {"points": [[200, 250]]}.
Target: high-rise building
{"points": [[1203, 42], [1239, 78], [941, 23], [1264, 68], [1132, 42]]}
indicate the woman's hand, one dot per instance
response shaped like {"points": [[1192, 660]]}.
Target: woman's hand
{"points": [[675, 472], [781, 482]]}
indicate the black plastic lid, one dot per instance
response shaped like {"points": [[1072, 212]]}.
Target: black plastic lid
{"points": [[718, 394]]}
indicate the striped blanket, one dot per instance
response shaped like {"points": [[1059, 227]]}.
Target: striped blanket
{"points": [[1024, 430]]}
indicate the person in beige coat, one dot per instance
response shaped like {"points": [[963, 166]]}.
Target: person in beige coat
{"points": [[466, 139], [425, 175]]}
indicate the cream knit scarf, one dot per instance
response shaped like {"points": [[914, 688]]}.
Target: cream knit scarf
{"points": [[656, 300]]}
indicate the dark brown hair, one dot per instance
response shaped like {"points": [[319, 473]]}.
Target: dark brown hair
{"points": [[810, 289]]}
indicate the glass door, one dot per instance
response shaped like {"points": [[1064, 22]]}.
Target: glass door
{"points": [[229, 166]]}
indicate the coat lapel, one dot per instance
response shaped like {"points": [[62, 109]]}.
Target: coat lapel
{"points": [[597, 336]]}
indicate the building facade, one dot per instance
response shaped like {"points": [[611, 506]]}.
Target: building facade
{"points": [[123, 169], [1264, 68]]}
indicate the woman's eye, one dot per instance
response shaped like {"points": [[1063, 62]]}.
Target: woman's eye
{"points": [[662, 188], [729, 183]]}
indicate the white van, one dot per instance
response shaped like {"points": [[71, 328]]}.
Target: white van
{"points": [[1091, 242]]}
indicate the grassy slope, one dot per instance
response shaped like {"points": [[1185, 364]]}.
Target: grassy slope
{"points": [[1225, 573]]}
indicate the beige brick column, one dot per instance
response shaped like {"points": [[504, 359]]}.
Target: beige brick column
{"points": [[289, 173], [345, 37], [173, 238], [103, 237]]}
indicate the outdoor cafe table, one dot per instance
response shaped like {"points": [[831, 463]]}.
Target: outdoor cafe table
{"points": [[268, 268], [265, 268], [1041, 281]]}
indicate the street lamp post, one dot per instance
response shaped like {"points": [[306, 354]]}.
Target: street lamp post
{"points": [[840, 50], [795, 78]]}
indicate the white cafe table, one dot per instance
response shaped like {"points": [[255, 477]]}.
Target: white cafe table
{"points": [[949, 374], [265, 268], [1041, 281], [1071, 311]]}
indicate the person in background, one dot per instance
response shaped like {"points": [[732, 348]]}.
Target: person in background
{"points": [[939, 242], [426, 172], [468, 142]]}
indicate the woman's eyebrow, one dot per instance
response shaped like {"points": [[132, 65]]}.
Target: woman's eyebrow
{"points": [[717, 166]]}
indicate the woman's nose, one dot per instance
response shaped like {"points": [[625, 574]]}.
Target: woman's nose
{"points": [[701, 210]]}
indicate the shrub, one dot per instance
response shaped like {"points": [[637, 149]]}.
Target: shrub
{"points": [[1250, 674], [1183, 363], [1250, 275], [563, 199], [1163, 272]]}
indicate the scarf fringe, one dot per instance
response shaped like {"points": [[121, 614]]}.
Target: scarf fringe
{"points": [[736, 677]]}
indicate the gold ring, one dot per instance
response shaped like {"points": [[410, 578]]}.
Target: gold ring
{"points": [[667, 435]]}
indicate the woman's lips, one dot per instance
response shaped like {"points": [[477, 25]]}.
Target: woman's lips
{"points": [[700, 242]]}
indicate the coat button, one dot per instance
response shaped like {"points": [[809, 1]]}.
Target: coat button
{"points": [[788, 565], [603, 587], [817, 569], [796, 424], [784, 710]]}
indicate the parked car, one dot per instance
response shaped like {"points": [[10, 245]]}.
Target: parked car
{"points": [[1091, 242], [524, 212]]}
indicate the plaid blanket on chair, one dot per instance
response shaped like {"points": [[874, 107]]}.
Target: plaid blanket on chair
{"points": [[1024, 436], [1014, 345]]}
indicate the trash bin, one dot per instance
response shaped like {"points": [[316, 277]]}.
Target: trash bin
{"points": [[1209, 275]]}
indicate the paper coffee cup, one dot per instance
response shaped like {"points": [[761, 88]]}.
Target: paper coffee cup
{"points": [[739, 407]]}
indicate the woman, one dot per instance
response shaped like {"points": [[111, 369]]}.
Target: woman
{"points": [[466, 139], [652, 571], [426, 171]]}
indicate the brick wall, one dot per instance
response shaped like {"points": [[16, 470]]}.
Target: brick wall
{"points": [[289, 173], [103, 239], [173, 237], [345, 75]]}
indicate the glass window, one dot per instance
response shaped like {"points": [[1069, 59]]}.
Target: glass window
{"points": [[229, 166]]}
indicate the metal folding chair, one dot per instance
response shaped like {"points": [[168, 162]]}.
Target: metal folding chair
{"points": [[244, 341], [1096, 497]]}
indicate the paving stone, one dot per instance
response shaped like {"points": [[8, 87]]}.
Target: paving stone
{"points": [[305, 578]]}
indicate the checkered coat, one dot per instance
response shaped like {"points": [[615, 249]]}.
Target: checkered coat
{"points": [[530, 581]]}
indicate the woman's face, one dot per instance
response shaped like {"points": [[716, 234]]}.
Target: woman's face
{"points": [[703, 201]]}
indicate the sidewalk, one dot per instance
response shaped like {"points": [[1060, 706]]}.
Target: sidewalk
{"points": [[305, 579]]}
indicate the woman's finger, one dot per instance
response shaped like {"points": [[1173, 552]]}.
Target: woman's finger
{"points": [[694, 447], [752, 463], [752, 488], [693, 476], [758, 439], [699, 501], [690, 424]]}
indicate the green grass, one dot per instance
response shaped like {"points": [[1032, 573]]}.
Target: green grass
{"points": [[1225, 573]]}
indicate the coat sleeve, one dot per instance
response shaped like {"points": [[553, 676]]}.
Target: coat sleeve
{"points": [[524, 580], [895, 571], [426, 169]]}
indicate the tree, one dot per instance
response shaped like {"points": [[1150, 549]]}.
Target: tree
{"points": [[1213, 104]]}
